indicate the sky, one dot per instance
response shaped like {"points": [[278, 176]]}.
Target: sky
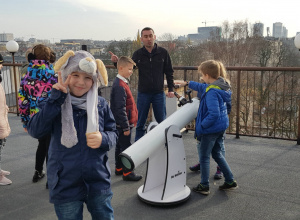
{"points": [[121, 19]]}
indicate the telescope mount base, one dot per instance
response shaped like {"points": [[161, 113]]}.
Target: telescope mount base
{"points": [[151, 198], [165, 181]]}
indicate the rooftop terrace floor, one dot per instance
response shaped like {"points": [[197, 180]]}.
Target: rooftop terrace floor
{"points": [[267, 172]]}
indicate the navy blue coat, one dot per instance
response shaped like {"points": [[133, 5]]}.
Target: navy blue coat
{"points": [[80, 170]]}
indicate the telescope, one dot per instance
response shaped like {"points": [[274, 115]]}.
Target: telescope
{"points": [[181, 100], [162, 147]]}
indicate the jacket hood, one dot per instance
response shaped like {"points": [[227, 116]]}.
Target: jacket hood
{"points": [[222, 88], [222, 83]]}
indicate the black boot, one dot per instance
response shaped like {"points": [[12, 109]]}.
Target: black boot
{"points": [[38, 176], [131, 176]]}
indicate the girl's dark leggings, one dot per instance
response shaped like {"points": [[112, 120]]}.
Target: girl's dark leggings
{"points": [[42, 152]]}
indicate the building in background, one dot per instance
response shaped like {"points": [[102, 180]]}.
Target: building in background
{"points": [[279, 31], [284, 32], [206, 33], [258, 29], [6, 37]]}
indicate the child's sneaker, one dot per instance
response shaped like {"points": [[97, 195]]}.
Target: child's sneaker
{"points": [[4, 181], [195, 167], [201, 189], [229, 186], [218, 175], [131, 176], [38, 176], [4, 172]]}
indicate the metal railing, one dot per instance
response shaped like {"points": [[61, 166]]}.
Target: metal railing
{"points": [[265, 100], [11, 75]]}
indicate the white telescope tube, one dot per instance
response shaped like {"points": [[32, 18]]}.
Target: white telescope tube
{"points": [[137, 153]]}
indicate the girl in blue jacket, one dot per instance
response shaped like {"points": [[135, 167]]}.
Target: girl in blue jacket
{"points": [[211, 123], [82, 130], [218, 175]]}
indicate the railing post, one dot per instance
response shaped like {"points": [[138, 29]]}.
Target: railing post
{"points": [[238, 96], [184, 74], [298, 138], [16, 86], [184, 78]]}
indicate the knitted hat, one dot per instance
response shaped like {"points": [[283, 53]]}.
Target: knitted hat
{"points": [[84, 62], [1, 59]]}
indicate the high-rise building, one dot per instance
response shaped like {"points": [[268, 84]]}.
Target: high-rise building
{"points": [[258, 29], [279, 31], [6, 37], [284, 32]]}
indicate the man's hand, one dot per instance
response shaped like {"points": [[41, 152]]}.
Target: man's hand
{"points": [[60, 85], [170, 94], [94, 139], [113, 57]]}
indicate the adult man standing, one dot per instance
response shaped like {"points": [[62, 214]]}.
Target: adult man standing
{"points": [[153, 62]]}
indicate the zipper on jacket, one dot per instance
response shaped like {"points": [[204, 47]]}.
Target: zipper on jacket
{"points": [[151, 69]]}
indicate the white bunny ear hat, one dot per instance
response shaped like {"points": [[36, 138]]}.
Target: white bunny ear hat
{"points": [[80, 61]]}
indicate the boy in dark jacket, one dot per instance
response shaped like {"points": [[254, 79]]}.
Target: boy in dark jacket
{"points": [[125, 112]]}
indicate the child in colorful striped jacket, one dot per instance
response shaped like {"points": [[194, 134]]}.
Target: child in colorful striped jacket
{"points": [[36, 85]]}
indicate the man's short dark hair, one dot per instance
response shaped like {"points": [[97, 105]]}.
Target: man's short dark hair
{"points": [[147, 29]]}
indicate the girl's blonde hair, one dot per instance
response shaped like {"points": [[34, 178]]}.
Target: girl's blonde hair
{"points": [[223, 72], [214, 69]]}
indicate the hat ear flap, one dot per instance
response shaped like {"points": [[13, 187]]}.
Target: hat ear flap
{"points": [[103, 72], [63, 61], [52, 56], [30, 57]]}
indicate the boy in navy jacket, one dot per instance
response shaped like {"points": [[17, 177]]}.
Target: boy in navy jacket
{"points": [[125, 112]]}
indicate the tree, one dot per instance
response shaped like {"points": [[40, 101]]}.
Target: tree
{"points": [[169, 42], [136, 44], [235, 47]]}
